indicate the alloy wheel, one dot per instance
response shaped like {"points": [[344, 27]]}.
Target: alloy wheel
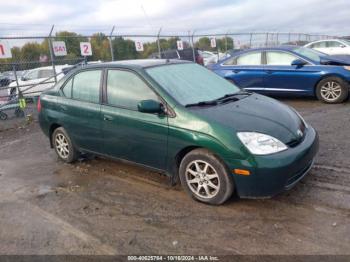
{"points": [[62, 145], [202, 179], [331, 91]]}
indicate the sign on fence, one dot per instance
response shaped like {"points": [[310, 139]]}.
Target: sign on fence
{"points": [[59, 48], [213, 42], [180, 45], [139, 46], [5, 50], [85, 49]]}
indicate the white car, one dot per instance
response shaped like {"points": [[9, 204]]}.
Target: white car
{"points": [[210, 57], [331, 46], [37, 80]]}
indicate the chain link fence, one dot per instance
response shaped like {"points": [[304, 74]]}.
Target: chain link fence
{"points": [[32, 64]]}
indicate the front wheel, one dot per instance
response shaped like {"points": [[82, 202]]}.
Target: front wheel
{"points": [[205, 177], [332, 90], [63, 146]]}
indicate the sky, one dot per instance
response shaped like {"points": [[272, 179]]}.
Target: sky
{"points": [[34, 17]]}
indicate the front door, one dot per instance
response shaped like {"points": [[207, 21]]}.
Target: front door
{"points": [[283, 78], [128, 133]]}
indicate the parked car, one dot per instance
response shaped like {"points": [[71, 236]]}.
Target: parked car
{"points": [[179, 118], [331, 46], [8, 77], [288, 70], [34, 81], [211, 57], [185, 54]]}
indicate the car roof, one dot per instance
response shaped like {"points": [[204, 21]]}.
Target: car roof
{"points": [[137, 63]]}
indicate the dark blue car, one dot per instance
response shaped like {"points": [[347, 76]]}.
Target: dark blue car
{"points": [[288, 70]]}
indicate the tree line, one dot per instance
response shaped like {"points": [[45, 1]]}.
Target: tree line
{"points": [[37, 52]]}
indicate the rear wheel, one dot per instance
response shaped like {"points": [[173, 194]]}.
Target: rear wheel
{"points": [[63, 145], [205, 177], [332, 90], [3, 116]]}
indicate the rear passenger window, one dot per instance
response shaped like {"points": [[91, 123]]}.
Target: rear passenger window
{"points": [[319, 45], [86, 86], [249, 59], [125, 89]]}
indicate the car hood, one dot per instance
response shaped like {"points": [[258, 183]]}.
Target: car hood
{"points": [[338, 60], [256, 113]]}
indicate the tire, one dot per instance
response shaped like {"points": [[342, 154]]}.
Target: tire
{"points": [[3, 116], [332, 90], [213, 186], [63, 146]]}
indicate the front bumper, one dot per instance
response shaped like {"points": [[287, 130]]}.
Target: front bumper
{"points": [[273, 174]]}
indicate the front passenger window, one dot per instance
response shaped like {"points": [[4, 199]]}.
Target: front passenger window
{"points": [[279, 58], [125, 89]]}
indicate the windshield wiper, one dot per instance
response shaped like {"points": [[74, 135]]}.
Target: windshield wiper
{"points": [[223, 99], [203, 103], [232, 96]]}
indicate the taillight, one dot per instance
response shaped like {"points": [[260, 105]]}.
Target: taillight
{"points": [[39, 105]]}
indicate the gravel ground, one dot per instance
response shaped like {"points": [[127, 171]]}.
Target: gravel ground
{"points": [[99, 206]]}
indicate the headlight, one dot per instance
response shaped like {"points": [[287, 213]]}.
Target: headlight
{"points": [[347, 67], [261, 144]]}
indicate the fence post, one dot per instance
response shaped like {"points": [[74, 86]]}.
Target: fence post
{"points": [[158, 43], [111, 44], [267, 39], [250, 40], [16, 79], [51, 53], [277, 38], [192, 44]]}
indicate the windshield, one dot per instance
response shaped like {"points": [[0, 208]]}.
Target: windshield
{"points": [[310, 53], [191, 83]]}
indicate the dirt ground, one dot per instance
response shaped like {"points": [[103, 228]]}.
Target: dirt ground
{"points": [[99, 206]]}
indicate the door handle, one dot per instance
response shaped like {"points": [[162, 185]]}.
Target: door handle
{"points": [[269, 72], [107, 118], [236, 71]]}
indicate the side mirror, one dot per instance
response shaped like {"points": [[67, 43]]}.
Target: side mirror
{"points": [[23, 78], [298, 63], [150, 106], [342, 46]]}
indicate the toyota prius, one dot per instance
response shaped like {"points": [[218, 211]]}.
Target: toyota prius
{"points": [[181, 119]]}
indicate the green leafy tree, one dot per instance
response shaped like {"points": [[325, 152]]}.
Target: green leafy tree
{"points": [[100, 47], [72, 41], [124, 49]]}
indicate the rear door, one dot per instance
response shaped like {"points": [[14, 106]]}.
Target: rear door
{"points": [[128, 133], [80, 109], [283, 78], [246, 71]]}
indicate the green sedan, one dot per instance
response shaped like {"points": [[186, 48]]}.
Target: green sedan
{"points": [[181, 119]]}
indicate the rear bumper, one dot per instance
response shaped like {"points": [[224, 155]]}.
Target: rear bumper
{"points": [[273, 174]]}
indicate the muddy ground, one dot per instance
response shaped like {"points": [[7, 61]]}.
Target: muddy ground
{"points": [[99, 206]]}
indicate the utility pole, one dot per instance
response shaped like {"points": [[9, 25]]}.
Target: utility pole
{"points": [[158, 43]]}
